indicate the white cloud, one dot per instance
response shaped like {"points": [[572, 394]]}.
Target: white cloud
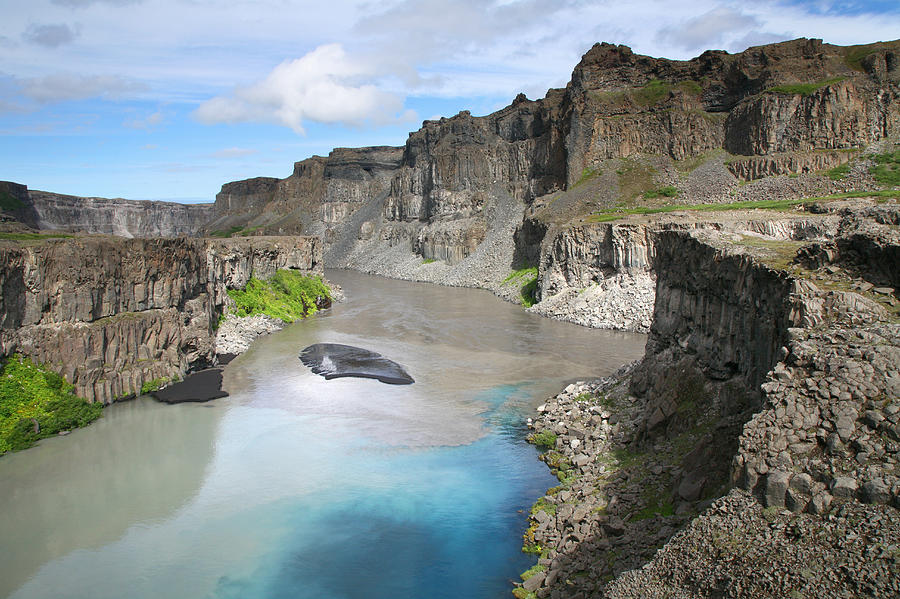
{"points": [[708, 29], [51, 36], [234, 153], [148, 122], [324, 86], [65, 86]]}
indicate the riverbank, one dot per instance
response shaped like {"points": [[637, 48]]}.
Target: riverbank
{"points": [[692, 473]]}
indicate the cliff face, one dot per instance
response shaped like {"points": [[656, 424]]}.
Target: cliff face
{"points": [[111, 314], [451, 193], [769, 381], [124, 218]]}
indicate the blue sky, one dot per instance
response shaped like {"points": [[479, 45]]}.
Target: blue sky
{"points": [[169, 99]]}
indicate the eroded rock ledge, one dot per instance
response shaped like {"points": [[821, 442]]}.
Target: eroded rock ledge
{"points": [[112, 314], [754, 451]]}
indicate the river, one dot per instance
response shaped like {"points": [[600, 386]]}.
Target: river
{"points": [[300, 487]]}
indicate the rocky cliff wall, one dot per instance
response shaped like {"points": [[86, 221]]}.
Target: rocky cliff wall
{"points": [[124, 218], [457, 180], [762, 372], [111, 314]]}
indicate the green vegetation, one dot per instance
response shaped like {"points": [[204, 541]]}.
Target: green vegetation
{"points": [[526, 278], [669, 191], [9, 201], [32, 236], [803, 89], [235, 231], [542, 505], [154, 385], [36, 403], [856, 54], [690, 87], [429, 261], [635, 179], [613, 214], [288, 295], [543, 440], [839, 172], [651, 93], [520, 593], [532, 571], [656, 507], [886, 169], [587, 173]]}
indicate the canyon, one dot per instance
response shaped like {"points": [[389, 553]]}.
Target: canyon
{"points": [[761, 427]]}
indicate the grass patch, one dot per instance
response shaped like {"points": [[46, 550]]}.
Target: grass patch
{"points": [[542, 505], [856, 54], [429, 261], [36, 403], [635, 179], [288, 295], [613, 214], [669, 191], [780, 252], [526, 278], [33, 236], [235, 231], [803, 89], [652, 93], [690, 87], [587, 173], [838, 173], [543, 440], [886, 169]]}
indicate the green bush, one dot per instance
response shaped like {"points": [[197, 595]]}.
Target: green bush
{"points": [[669, 191], [544, 439], [154, 385], [36, 403], [288, 295], [527, 279]]}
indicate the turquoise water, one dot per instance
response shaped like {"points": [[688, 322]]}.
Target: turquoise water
{"points": [[298, 487]]}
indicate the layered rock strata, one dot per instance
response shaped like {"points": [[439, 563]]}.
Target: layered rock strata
{"points": [[111, 314]]}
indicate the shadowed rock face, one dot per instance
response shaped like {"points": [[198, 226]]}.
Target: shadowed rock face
{"points": [[334, 360]]}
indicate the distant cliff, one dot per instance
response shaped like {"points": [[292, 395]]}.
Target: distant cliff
{"points": [[124, 218], [468, 198]]}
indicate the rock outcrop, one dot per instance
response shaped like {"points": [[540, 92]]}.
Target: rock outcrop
{"points": [[757, 439], [111, 314], [125, 218], [440, 208]]}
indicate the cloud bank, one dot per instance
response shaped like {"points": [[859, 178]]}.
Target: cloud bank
{"points": [[324, 86]]}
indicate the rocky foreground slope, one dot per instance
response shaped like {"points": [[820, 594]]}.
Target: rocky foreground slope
{"points": [[755, 450], [113, 314]]}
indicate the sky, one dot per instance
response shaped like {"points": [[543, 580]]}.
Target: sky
{"points": [[169, 99]]}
